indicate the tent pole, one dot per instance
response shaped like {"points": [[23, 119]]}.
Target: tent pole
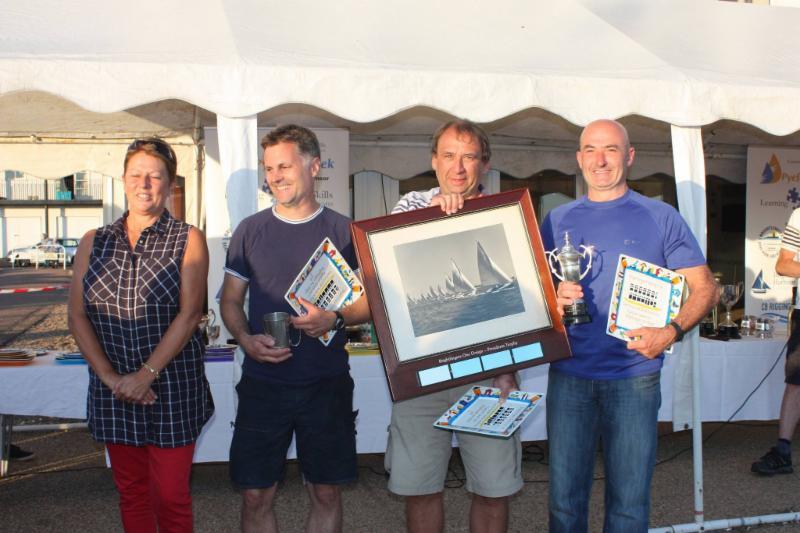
{"points": [[697, 440], [728, 523], [690, 176], [199, 218]]}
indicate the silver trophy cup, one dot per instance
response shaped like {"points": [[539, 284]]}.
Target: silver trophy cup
{"points": [[568, 260], [728, 296]]}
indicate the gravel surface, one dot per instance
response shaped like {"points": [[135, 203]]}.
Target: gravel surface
{"points": [[49, 334]]}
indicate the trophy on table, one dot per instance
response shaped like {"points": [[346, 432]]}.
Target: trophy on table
{"points": [[208, 326], [728, 295], [568, 258]]}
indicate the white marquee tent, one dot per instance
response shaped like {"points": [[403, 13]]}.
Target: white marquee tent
{"points": [[685, 62], [687, 75], [532, 70]]}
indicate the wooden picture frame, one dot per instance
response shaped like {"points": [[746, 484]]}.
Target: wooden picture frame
{"points": [[459, 298]]}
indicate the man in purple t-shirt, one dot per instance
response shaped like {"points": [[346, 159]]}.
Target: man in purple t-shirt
{"points": [[306, 390], [610, 390]]}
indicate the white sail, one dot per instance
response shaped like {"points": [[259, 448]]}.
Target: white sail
{"points": [[489, 272], [460, 281], [448, 285]]}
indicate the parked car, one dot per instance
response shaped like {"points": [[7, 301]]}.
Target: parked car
{"points": [[46, 251]]}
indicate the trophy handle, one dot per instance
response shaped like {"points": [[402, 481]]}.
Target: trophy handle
{"points": [[587, 250], [551, 256]]}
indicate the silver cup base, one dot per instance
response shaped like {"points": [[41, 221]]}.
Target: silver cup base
{"points": [[575, 314]]}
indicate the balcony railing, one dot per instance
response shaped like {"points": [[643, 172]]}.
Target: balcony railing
{"points": [[86, 186], [24, 188]]}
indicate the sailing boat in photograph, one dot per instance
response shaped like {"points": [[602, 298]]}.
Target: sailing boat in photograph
{"points": [[492, 276], [457, 285], [463, 301], [461, 283]]}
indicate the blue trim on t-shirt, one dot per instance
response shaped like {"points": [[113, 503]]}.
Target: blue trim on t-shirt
{"points": [[632, 225]]}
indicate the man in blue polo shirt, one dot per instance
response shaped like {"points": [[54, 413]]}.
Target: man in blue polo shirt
{"points": [[610, 390], [306, 390]]}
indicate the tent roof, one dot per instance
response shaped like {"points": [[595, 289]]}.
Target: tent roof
{"points": [[685, 62]]}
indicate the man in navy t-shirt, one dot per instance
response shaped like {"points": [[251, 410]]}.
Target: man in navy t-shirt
{"points": [[610, 389], [304, 390]]}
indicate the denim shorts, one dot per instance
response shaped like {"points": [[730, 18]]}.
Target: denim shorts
{"points": [[320, 416]]}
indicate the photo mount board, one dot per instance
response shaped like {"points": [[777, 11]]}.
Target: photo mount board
{"points": [[418, 364]]}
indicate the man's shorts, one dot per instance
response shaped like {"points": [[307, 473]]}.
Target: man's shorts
{"points": [[792, 369], [418, 454], [321, 417]]}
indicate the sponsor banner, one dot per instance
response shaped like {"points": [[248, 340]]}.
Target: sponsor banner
{"points": [[224, 208], [773, 192]]}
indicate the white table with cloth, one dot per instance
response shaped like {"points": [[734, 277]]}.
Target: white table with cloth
{"points": [[48, 388], [730, 370]]}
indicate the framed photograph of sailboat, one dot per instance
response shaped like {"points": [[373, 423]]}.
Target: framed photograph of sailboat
{"points": [[459, 298]]}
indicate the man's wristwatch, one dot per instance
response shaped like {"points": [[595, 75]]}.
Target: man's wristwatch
{"points": [[678, 330], [339, 322]]}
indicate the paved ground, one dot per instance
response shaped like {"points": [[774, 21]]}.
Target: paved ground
{"points": [[67, 487], [19, 312]]}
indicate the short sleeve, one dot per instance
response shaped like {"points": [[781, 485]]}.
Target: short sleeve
{"points": [[790, 240], [681, 249], [347, 249], [415, 200], [236, 259], [546, 231]]}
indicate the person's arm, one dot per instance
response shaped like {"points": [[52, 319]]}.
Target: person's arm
{"points": [[194, 277], [787, 265], [80, 326], [259, 346], [702, 296], [318, 321]]}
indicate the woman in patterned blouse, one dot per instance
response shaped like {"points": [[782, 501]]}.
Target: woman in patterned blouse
{"points": [[135, 302]]}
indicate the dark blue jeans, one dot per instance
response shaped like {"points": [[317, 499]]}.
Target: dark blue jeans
{"points": [[623, 413]]}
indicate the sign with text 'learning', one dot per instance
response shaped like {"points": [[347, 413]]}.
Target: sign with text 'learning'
{"points": [[773, 192]]}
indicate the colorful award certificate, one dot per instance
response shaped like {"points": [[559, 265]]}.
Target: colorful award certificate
{"points": [[480, 411], [644, 295], [327, 281]]}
